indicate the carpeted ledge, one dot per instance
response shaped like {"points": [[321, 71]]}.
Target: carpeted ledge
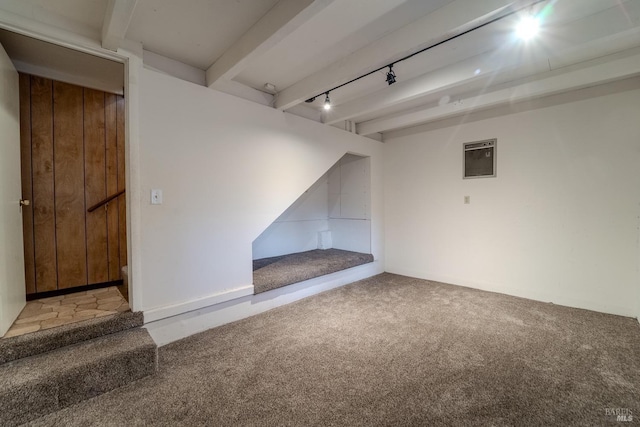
{"points": [[389, 350], [276, 272]]}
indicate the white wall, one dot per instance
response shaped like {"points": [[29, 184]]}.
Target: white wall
{"points": [[296, 230], [560, 221], [350, 204], [339, 202], [228, 168]]}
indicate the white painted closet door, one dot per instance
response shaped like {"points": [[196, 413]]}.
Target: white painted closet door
{"points": [[12, 287]]}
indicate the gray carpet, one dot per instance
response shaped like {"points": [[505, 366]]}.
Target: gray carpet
{"points": [[45, 383], [389, 350], [263, 262], [276, 272], [47, 340]]}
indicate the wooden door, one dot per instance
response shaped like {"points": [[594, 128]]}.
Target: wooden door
{"points": [[73, 145]]}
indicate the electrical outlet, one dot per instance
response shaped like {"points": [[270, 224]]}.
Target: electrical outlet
{"points": [[467, 200], [156, 197]]}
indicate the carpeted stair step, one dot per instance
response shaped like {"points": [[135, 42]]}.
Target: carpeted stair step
{"points": [[34, 343], [38, 385]]}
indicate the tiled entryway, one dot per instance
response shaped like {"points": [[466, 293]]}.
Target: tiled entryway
{"points": [[50, 312]]}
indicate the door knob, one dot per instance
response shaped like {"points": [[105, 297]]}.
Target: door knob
{"points": [[23, 202]]}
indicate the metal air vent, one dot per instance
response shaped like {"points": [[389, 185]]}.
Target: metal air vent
{"points": [[479, 159]]}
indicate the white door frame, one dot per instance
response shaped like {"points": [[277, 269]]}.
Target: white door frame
{"points": [[131, 56]]}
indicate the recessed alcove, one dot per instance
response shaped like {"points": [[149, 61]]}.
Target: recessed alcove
{"points": [[327, 229]]}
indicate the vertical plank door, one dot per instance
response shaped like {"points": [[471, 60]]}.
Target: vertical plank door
{"points": [[27, 184], [69, 185], [72, 156], [44, 222], [113, 227], [95, 185], [122, 207]]}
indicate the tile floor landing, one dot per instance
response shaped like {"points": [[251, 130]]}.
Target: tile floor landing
{"points": [[50, 312]]}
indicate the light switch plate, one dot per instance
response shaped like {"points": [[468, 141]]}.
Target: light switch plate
{"points": [[156, 197]]}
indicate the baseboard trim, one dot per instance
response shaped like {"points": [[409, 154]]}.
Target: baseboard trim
{"points": [[167, 330], [159, 313]]}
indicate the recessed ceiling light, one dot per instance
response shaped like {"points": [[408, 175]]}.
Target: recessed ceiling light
{"points": [[528, 27]]}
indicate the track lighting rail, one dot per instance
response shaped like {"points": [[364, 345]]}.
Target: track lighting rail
{"points": [[391, 77]]}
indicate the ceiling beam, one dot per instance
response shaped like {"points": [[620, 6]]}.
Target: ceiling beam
{"points": [[476, 68], [599, 71], [280, 21], [498, 66], [116, 21], [451, 19]]}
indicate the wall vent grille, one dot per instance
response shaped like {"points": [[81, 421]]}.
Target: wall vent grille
{"points": [[479, 159]]}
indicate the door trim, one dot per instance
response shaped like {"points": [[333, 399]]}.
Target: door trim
{"points": [[131, 56]]}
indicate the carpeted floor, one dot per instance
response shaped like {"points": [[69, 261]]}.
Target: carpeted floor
{"points": [[389, 350], [276, 272]]}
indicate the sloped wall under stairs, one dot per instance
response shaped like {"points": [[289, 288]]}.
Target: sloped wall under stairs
{"points": [[338, 205], [228, 168]]}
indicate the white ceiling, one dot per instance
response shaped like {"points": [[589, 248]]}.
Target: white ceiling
{"points": [[306, 47], [341, 28], [195, 32], [33, 56], [84, 16]]}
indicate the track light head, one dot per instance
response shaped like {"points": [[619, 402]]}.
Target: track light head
{"points": [[391, 76], [310, 100], [327, 102]]}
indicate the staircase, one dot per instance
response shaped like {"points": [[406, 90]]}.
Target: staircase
{"points": [[45, 371]]}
